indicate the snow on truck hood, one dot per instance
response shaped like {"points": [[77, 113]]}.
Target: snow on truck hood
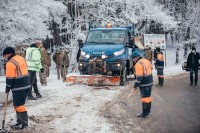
{"points": [[102, 49]]}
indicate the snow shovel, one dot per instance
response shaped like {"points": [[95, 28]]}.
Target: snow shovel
{"points": [[3, 130], [133, 90]]}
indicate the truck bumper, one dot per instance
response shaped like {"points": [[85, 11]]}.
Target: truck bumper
{"points": [[100, 66]]}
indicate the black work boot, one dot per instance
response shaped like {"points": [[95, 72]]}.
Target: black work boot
{"points": [[161, 82], [146, 110], [30, 97], [143, 111], [38, 95], [24, 121], [18, 122]]}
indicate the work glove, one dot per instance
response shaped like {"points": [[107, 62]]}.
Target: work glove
{"points": [[42, 70], [7, 90]]}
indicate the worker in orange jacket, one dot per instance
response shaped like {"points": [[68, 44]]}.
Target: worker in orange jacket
{"points": [[144, 80], [159, 62], [108, 25], [17, 80]]}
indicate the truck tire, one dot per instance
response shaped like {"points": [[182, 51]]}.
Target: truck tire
{"points": [[123, 77]]}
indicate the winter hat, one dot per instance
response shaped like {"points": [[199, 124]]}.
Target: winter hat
{"points": [[136, 54], [193, 48], [8, 50], [33, 45], [158, 49]]}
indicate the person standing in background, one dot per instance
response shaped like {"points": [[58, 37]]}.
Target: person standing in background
{"points": [[193, 64], [44, 60], [159, 62], [108, 25], [33, 58], [177, 56], [48, 62], [62, 63], [149, 54]]}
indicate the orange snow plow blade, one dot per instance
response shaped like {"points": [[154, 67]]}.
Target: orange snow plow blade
{"points": [[93, 80]]}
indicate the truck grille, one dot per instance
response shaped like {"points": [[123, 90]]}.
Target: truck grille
{"points": [[96, 66]]}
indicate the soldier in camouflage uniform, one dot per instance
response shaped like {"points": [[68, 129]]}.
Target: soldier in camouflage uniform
{"points": [[48, 62], [44, 60], [62, 62], [149, 54], [20, 50]]}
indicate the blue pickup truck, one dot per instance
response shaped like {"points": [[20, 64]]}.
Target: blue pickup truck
{"points": [[107, 51]]}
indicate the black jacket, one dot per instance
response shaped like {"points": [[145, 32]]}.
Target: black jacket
{"points": [[196, 60]]}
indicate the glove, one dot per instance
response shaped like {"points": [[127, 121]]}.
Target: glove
{"points": [[7, 89], [42, 70], [63, 66]]}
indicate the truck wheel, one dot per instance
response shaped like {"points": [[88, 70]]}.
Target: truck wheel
{"points": [[123, 77]]}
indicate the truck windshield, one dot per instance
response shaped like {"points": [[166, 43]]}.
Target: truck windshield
{"points": [[106, 37]]}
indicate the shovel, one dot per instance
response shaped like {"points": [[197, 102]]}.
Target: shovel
{"points": [[133, 90], [3, 130]]}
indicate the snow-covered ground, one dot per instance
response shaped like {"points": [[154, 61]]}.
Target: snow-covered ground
{"points": [[170, 69], [75, 108]]}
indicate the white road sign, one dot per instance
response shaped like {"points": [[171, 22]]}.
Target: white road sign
{"points": [[154, 40]]}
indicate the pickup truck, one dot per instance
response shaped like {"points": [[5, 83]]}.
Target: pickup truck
{"points": [[107, 51]]}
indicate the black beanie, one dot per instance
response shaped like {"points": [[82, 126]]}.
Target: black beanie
{"points": [[193, 48], [158, 49], [8, 50]]}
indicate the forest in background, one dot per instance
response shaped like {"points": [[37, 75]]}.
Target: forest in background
{"points": [[63, 22]]}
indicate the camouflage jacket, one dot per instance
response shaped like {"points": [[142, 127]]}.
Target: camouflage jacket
{"points": [[44, 56], [148, 54], [61, 58]]}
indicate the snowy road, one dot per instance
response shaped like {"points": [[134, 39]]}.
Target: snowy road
{"points": [[87, 109]]}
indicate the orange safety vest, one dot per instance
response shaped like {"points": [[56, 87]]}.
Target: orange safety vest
{"points": [[108, 25], [160, 61], [17, 77], [143, 72]]}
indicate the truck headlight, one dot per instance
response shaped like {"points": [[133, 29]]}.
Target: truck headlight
{"points": [[83, 53], [119, 52], [118, 65], [104, 56], [87, 56]]}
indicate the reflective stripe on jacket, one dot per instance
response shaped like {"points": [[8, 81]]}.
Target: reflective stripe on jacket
{"points": [[17, 77], [143, 72], [160, 61], [33, 58]]}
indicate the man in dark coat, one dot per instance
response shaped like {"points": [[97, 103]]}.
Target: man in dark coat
{"points": [[193, 64]]}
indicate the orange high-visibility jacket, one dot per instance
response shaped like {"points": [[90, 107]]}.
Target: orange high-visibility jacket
{"points": [[143, 72], [17, 77], [160, 61], [108, 25]]}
